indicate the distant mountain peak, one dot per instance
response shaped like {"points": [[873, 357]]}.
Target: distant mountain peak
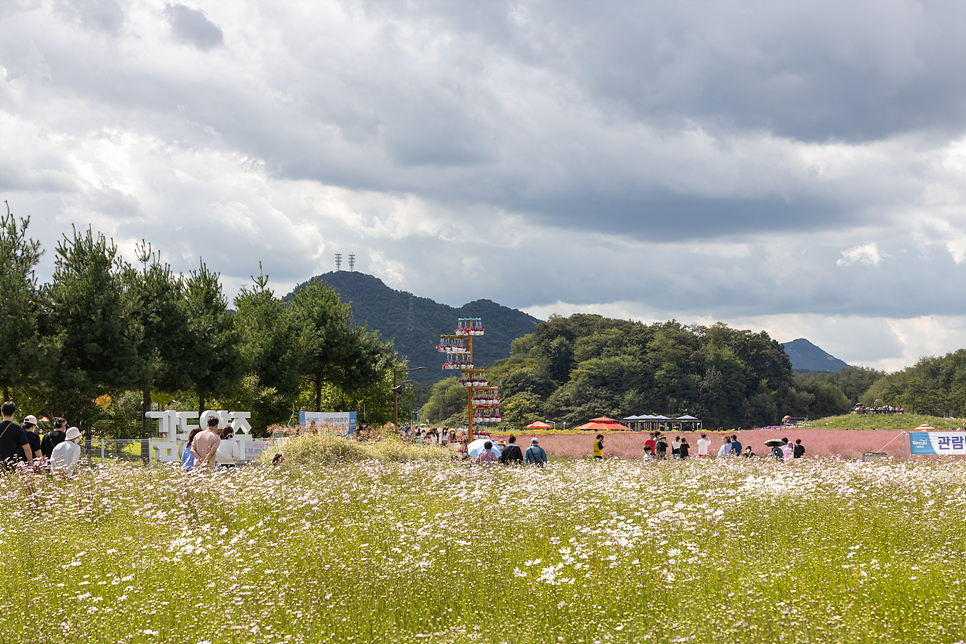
{"points": [[806, 356]]}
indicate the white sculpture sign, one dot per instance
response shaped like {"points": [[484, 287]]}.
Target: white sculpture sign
{"points": [[176, 425]]}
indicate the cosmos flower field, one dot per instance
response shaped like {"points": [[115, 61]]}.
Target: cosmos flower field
{"points": [[441, 551]]}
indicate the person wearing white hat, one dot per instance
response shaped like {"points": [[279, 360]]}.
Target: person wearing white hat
{"points": [[65, 456], [29, 428]]}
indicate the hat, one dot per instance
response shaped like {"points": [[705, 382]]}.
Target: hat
{"points": [[30, 420], [534, 440], [73, 433]]}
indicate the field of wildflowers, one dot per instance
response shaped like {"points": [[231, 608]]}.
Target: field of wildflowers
{"points": [[436, 550]]}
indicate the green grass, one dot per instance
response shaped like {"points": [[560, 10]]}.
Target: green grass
{"points": [[885, 421], [349, 549]]}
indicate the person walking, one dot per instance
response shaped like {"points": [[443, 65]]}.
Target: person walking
{"points": [[66, 455], [676, 447], [228, 452], [799, 450], [599, 447], [53, 438], [512, 453], [535, 454], [29, 428], [662, 448], [206, 444], [703, 446], [13, 440]]}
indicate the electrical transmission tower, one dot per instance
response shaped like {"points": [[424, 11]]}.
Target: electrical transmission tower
{"points": [[338, 261], [352, 262]]}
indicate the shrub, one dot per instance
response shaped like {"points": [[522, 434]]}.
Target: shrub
{"points": [[313, 450]]}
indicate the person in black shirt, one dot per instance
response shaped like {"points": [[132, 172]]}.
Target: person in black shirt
{"points": [[53, 438], [662, 447], [13, 440], [29, 425], [799, 450], [512, 453], [685, 449]]}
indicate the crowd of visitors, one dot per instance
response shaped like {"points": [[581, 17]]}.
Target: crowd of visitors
{"points": [[655, 448], [886, 409], [20, 445]]}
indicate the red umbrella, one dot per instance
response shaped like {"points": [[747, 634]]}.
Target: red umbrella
{"points": [[600, 425], [539, 425]]}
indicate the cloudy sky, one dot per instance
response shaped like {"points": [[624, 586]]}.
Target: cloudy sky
{"points": [[797, 167]]}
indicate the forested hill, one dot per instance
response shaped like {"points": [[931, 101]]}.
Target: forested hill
{"points": [[415, 323], [806, 356]]}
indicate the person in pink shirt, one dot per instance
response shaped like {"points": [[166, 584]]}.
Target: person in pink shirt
{"points": [[487, 457], [206, 444]]}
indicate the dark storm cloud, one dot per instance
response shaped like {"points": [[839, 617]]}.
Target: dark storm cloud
{"points": [[812, 71], [191, 26]]}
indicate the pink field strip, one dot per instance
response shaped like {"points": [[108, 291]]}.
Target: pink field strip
{"points": [[849, 444]]}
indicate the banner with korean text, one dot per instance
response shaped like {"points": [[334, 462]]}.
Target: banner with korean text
{"points": [[338, 422], [937, 443]]}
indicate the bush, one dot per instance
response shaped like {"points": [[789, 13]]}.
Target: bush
{"points": [[316, 450]]}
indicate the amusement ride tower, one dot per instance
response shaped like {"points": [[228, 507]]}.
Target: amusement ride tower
{"points": [[482, 400]]}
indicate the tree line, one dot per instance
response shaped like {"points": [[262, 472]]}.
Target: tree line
{"points": [[105, 333], [583, 366]]}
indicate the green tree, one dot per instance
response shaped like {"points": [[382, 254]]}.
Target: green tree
{"points": [[267, 407], [520, 410], [20, 342], [213, 364], [158, 297], [97, 336], [446, 398], [373, 405], [270, 338], [333, 350]]}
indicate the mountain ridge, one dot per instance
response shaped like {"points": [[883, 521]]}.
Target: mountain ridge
{"points": [[415, 323], [806, 356]]}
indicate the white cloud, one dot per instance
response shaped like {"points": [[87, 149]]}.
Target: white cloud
{"points": [[865, 254], [699, 163]]}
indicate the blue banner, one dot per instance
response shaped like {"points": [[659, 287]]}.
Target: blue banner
{"points": [[937, 443]]}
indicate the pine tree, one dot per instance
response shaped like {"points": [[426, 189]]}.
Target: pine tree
{"points": [[20, 344], [92, 315], [213, 363]]}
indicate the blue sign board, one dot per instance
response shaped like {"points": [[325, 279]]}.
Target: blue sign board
{"points": [[937, 443]]}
